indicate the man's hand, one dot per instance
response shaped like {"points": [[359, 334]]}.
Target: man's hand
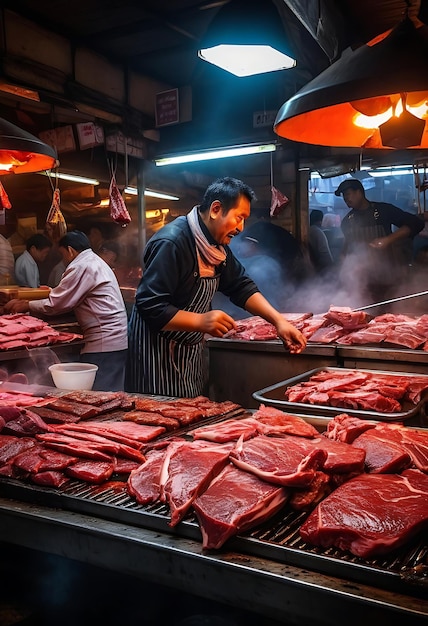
{"points": [[291, 337], [17, 306], [216, 323]]}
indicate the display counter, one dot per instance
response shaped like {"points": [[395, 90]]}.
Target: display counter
{"points": [[238, 368]]}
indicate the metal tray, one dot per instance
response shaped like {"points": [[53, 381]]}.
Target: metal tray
{"points": [[274, 396]]}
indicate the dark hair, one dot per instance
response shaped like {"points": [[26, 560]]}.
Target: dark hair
{"points": [[316, 216], [76, 240], [40, 242], [227, 191]]}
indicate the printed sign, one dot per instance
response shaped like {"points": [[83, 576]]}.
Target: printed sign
{"points": [[166, 109]]}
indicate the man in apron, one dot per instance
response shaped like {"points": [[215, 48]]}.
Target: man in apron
{"points": [[376, 249], [185, 263]]}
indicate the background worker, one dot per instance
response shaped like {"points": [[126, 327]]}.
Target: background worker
{"points": [[26, 265], [319, 249], [185, 263], [375, 235], [90, 289]]}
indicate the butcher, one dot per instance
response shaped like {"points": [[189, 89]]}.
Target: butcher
{"points": [[89, 288], [185, 263]]}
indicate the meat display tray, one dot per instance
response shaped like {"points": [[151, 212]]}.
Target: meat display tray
{"points": [[275, 396], [278, 539]]}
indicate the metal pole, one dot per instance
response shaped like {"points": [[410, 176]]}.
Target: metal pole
{"points": [[142, 229]]}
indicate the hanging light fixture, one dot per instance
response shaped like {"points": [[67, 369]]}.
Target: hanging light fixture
{"points": [[246, 38], [21, 152], [373, 97]]}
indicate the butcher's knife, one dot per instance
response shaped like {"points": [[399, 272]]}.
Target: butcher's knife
{"points": [[412, 295], [33, 390]]}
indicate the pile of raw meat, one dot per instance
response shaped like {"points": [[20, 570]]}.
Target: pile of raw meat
{"points": [[364, 484], [361, 390], [343, 326], [88, 435], [239, 473], [25, 331]]}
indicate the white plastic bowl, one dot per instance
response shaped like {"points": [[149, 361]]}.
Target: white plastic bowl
{"points": [[73, 375]]}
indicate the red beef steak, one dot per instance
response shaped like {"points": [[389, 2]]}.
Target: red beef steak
{"points": [[371, 514]]}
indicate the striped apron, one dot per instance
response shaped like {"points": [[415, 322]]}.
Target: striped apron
{"points": [[169, 363], [382, 268]]}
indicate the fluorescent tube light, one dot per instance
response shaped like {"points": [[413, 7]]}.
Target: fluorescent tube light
{"points": [[216, 153], [133, 191], [73, 178]]}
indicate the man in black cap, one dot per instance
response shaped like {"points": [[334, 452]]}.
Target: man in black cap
{"points": [[368, 231]]}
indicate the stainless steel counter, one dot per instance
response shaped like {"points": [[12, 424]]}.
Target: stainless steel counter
{"points": [[397, 360], [259, 585], [239, 368]]}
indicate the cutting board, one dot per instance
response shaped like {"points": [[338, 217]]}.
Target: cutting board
{"points": [[23, 293]]}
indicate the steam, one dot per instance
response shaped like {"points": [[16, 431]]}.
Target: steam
{"points": [[295, 289], [41, 359]]}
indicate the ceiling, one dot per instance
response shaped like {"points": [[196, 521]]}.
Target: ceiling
{"points": [[159, 39]]}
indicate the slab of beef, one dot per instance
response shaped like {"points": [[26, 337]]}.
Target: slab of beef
{"points": [[151, 418], [410, 440], [365, 400], [253, 328], [52, 416], [346, 317], [327, 334], [235, 501], [287, 461], [371, 514], [185, 416], [345, 428], [144, 482], [84, 449], [83, 411], [367, 335], [9, 412], [40, 459], [405, 335], [96, 398], [306, 499], [125, 466], [119, 448], [91, 471], [272, 421], [49, 478], [12, 446], [382, 456], [190, 469], [342, 458], [28, 423], [128, 433], [229, 430]]}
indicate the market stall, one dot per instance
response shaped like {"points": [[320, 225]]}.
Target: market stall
{"points": [[267, 569]]}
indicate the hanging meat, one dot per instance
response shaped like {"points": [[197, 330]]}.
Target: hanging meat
{"points": [[278, 203], [4, 199], [118, 211], [56, 226]]}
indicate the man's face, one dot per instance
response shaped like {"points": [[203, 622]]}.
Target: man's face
{"points": [[66, 254], [39, 255], [225, 226], [353, 198]]}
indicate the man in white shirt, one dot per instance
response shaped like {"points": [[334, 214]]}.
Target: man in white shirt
{"points": [[26, 265], [90, 289]]}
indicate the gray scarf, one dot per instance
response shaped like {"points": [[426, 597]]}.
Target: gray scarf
{"points": [[208, 251]]}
